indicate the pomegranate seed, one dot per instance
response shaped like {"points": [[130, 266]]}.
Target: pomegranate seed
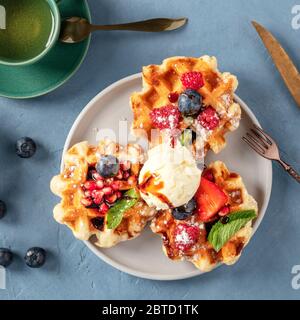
{"points": [[100, 184], [126, 175], [119, 175], [112, 198], [88, 193], [207, 174], [97, 196], [96, 176], [173, 97], [103, 208], [125, 165], [86, 202], [224, 211], [132, 180], [90, 185], [115, 185], [109, 181], [119, 194], [107, 191]]}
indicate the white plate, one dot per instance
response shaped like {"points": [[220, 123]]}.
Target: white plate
{"points": [[143, 256]]}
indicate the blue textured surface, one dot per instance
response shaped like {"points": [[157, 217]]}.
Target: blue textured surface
{"points": [[220, 28]]}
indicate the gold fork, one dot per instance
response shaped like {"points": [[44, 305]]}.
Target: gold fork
{"points": [[265, 146]]}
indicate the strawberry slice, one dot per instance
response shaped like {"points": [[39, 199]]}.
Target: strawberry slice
{"points": [[210, 199]]}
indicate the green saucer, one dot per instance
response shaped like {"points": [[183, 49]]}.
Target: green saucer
{"points": [[54, 69]]}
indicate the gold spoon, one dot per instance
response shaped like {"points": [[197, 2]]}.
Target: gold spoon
{"points": [[76, 29]]}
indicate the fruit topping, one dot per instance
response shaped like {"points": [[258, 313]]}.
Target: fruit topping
{"points": [[185, 211], [6, 257], [173, 97], [35, 257], [103, 208], [207, 174], [210, 199], [97, 196], [224, 211], [208, 118], [190, 103], [186, 236], [102, 193], [25, 147], [108, 166], [192, 80], [2, 209], [166, 117], [90, 185], [224, 220]]}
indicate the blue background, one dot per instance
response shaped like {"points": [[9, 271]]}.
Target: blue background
{"points": [[216, 27]]}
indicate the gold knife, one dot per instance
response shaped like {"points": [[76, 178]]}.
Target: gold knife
{"points": [[283, 62]]}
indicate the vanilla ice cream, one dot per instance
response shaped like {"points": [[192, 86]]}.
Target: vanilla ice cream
{"points": [[170, 177]]}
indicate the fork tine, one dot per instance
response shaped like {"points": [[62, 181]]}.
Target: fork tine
{"points": [[269, 140], [254, 146], [260, 139], [257, 142]]}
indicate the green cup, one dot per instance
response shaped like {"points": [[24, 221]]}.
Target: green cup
{"points": [[53, 35]]}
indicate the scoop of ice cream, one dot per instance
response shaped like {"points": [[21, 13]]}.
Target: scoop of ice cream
{"points": [[170, 177]]}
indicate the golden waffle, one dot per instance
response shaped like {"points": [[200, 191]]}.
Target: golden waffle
{"points": [[202, 254], [68, 186], [161, 80]]}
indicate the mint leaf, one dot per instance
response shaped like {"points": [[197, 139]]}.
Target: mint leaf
{"points": [[115, 213], [221, 233]]}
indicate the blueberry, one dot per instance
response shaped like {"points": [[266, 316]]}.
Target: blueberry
{"points": [[185, 211], [6, 257], [25, 147], [2, 209], [108, 166], [190, 102], [35, 257]]}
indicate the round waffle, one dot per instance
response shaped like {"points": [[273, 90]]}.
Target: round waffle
{"points": [[161, 80], [68, 186], [202, 254]]}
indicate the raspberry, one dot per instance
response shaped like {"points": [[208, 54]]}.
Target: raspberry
{"points": [[192, 80], [186, 236], [166, 117], [209, 118]]}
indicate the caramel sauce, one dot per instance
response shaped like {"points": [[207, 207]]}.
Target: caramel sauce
{"points": [[149, 185]]}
